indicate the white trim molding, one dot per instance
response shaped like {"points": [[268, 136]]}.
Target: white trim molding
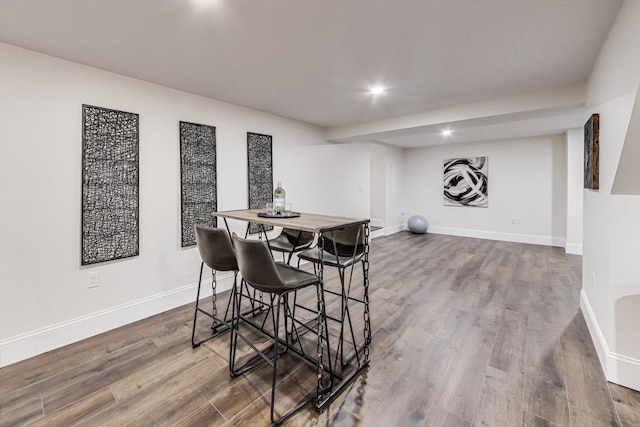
{"points": [[388, 231], [623, 370], [41, 340], [573, 248], [618, 369], [496, 235], [376, 223], [594, 329]]}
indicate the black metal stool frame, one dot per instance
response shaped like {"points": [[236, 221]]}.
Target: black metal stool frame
{"points": [[334, 389], [345, 298], [216, 251], [219, 325], [279, 294]]}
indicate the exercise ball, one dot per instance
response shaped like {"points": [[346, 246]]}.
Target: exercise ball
{"points": [[418, 224]]}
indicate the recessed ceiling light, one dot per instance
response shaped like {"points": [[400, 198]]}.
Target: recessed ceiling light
{"points": [[446, 132], [205, 4], [376, 90]]}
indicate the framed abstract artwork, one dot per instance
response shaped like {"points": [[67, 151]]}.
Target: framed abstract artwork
{"points": [[592, 153], [110, 185], [198, 179], [466, 182], [260, 173]]}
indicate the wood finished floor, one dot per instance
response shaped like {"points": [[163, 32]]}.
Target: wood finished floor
{"points": [[465, 332]]}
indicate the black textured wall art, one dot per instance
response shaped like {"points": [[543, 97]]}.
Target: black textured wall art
{"points": [[110, 182], [592, 153], [466, 182], [197, 178], [260, 173]]}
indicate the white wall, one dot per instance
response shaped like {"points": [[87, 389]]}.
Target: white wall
{"points": [[575, 183], [395, 195], [386, 198], [329, 178], [378, 179], [527, 183], [44, 300], [611, 272]]}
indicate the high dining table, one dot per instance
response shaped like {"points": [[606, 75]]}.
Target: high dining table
{"points": [[320, 224]]}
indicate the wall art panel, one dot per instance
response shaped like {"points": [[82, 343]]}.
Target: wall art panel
{"points": [[110, 185], [260, 173], [592, 153], [198, 179], [466, 182]]}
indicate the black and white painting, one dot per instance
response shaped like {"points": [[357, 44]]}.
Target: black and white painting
{"points": [[198, 190], [466, 182], [260, 173], [110, 185]]}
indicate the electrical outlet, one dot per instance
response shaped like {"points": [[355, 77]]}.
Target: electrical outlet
{"points": [[516, 221], [94, 279]]}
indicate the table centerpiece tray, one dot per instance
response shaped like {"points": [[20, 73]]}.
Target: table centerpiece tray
{"points": [[279, 215]]}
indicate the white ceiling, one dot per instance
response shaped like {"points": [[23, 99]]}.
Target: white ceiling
{"points": [[313, 60]]}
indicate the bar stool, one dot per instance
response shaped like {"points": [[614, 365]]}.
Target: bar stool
{"points": [[341, 249], [217, 253], [278, 280], [291, 241]]}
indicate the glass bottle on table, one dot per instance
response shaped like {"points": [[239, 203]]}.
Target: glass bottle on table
{"points": [[278, 199]]}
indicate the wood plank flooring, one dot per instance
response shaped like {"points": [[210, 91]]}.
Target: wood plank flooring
{"points": [[465, 332]]}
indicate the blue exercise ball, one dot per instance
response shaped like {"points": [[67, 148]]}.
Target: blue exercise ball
{"points": [[418, 224]]}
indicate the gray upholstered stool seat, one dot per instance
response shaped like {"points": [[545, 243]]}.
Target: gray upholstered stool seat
{"points": [[290, 241]]}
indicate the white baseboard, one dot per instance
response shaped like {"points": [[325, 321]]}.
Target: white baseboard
{"points": [[376, 233], [388, 231], [617, 368], [594, 330], [573, 248], [495, 235], [376, 223], [39, 341], [623, 370]]}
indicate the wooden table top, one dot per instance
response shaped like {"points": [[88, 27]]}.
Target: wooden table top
{"points": [[314, 223]]}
